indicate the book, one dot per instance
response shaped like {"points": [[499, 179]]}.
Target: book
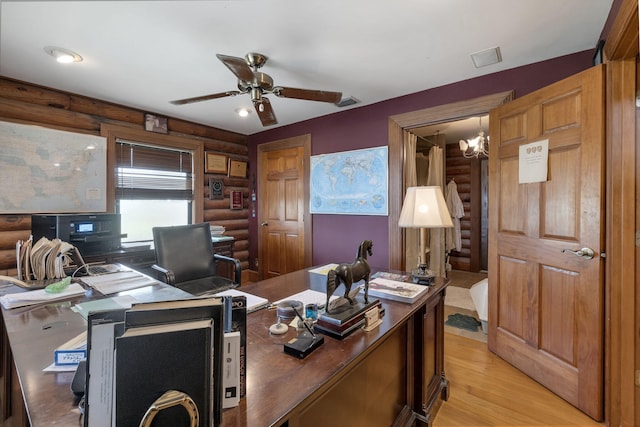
{"points": [[101, 332], [339, 333], [231, 370], [151, 360], [235, 320], [343, 317], [253, 303], [396, 291], [165, 312]]}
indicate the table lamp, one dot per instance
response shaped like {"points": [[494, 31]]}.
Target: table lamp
{"points": [[424, 207]]}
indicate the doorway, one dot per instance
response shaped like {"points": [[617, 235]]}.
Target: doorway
{"points": [[414, 120], [465, 173]]}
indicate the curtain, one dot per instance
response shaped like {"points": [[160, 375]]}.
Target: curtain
{"points": [[412, 235], [436, 235]]}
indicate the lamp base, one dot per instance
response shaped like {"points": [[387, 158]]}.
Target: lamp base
{"points": [[422, 275]]}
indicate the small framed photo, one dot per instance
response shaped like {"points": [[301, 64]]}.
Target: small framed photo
{"points": [[235, 199], [237, 169], [154, 123], [215, 163]]}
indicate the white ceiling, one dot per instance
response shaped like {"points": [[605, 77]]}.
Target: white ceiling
{"points": [[144, 54]]}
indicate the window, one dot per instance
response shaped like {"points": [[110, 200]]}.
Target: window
{"points": [[154, 187]]}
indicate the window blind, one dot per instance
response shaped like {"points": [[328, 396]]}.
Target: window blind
{"points": [[146, 172]]}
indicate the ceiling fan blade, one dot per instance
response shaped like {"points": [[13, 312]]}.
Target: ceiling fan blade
{"points": [[238, 67], [265, 112], [204, 97], [310, 95]]}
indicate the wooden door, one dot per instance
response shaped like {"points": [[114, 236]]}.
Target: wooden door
{"points": [[283, 245], [546, 306]]}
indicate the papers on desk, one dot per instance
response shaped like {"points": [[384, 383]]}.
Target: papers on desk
{"points": [[309, 297], [254, 302], [324, 269], [22, 299], [113, 283]]}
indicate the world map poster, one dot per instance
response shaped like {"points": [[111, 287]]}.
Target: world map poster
{"points": [[350, 182]]}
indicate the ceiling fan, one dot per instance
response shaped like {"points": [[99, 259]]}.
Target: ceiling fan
{"points": [[258, 84]]}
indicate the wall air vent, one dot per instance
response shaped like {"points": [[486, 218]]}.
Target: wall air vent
{"points": [[345, 102]]}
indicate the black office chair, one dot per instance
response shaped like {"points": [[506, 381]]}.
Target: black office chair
{"points": [[184, 256]]}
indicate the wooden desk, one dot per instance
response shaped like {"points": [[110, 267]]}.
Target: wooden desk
{"points": [[393, 375]]}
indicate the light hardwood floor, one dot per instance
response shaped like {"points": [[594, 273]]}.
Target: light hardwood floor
{"points": [[487, 391]]}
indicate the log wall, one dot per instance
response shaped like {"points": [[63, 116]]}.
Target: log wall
{"points": [[26, 103], [466, 173]]}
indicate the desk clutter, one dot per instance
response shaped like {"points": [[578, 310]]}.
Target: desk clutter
{"points": [[136, 356], [44, 259]]}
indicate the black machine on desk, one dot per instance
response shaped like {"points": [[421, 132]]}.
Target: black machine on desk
{"points": [[90, 233]]}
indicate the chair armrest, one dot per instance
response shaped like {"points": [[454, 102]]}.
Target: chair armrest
{"points": [[169, 277], [236, 266]]}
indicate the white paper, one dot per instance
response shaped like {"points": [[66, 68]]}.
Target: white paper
{"points": [[254, 302], [22, 299], [533, 162], [112, 283], [309, 297], [101, 375]]}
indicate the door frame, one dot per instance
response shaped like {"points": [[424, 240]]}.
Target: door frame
{"points": [[622, 354], [414, 119], [303, 141]]}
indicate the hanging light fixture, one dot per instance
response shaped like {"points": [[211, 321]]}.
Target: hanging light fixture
{"points": [[476, 146]]}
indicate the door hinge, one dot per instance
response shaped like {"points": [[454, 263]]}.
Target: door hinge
{"points": [[638, 238], [638, 378]]}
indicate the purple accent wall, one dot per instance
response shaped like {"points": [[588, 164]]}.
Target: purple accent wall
{"points": [[336, 237]]}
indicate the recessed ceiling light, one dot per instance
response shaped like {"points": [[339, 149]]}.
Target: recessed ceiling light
{"points": [[243, 112], [63, 56]]}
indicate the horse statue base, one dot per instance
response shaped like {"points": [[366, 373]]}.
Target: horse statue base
{"points": [[345, 317]]}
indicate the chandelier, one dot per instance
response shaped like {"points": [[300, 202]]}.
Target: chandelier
{"points": [[476, 146]]}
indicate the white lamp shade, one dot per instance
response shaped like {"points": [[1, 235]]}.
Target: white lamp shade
{"points": [[424, 207]]}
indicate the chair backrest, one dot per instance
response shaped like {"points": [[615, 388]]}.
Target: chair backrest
{"points": [[186, 250]]}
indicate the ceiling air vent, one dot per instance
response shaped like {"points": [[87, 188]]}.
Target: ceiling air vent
{"points": [[345, 102]]}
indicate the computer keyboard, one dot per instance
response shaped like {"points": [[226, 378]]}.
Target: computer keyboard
{"points": [[96, 270]]}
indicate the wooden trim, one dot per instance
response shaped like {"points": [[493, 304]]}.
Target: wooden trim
{"points": [[112, 132], [414, 119], [620, 243], [622, 41], [621, 282]]}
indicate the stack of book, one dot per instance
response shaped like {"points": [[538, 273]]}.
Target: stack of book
{"points": [[136, 355], [343, 323]]}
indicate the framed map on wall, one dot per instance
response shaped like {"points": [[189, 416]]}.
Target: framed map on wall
{"points": [[350, 182], [51, 171]]}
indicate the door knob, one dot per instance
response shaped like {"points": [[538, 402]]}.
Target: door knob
{"points": [[582, 253], [264, 224]]}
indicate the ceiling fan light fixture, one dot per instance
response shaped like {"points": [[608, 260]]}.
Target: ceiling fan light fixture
{"points": [[243, 112], [62, 55]]}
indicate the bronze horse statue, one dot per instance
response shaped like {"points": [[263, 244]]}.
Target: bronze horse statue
{"points": [[350, 274]]}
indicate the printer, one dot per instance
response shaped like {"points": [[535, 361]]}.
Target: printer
{"points": [[89, 233]]}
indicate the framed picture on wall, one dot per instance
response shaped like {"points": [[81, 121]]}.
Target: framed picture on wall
{"points": [[237, 169], [215, 163], [153, 123]]}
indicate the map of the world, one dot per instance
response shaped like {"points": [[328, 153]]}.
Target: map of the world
{"points": [[350, 182], [51, 171]]}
